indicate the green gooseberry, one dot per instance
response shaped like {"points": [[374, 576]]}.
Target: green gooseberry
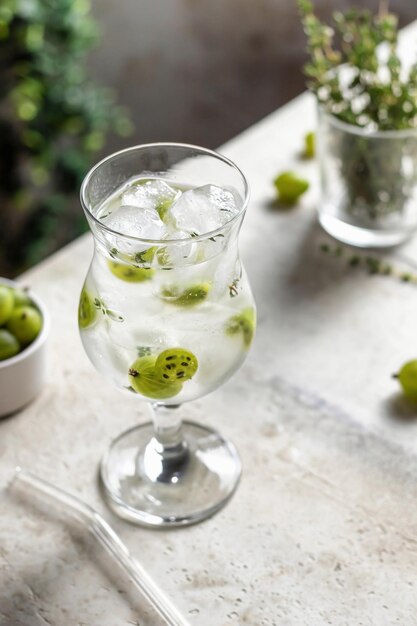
{"points": [[189, 297], [129, 273], [21, 297], [176, 364], [310, 145], [25, 324], [407, 377], [9, 345], [6, 303], [87, 312], [146, 380], [244, 323], [290, 187]]}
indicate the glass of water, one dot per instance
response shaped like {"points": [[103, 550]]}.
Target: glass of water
{"points": [[166, 313]]}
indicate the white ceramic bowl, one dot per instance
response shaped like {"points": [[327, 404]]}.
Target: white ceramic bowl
{"points": [[23, 376]]}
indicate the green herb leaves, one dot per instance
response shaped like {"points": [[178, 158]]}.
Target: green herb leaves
{"points": [[352, 80]]}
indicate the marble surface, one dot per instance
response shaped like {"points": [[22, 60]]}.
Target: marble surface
{"points": [[321, 529]]}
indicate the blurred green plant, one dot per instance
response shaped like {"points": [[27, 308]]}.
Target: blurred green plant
{"points": [[355, 69], [52, 123], [358, 77]]}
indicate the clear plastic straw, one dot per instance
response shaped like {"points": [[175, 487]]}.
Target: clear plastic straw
{"points": [[109, 540]]}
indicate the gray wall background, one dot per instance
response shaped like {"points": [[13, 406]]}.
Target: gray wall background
{"points": [[201, 71]]}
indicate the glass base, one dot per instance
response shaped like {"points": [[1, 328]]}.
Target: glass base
{"points": [[192, 484], [363, 237]]}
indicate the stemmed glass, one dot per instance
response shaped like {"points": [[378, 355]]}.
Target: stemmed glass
{"points": [[168, 316]]}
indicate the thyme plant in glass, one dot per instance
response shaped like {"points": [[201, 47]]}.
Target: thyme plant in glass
{"points": [[367, 135], [166, 313]]}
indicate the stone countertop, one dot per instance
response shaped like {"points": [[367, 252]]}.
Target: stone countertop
{"points": [[321, 529]]}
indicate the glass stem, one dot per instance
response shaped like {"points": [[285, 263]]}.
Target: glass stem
{"points": [[167, 453], [168, 425]]}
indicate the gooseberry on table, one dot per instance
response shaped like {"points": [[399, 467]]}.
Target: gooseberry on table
{"points": [[310, 145], [290, 187], [407, 377]]}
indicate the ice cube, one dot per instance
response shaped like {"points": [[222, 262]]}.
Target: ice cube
{"points": [[136, 222], [177, 254], [203, 209], [150, 194]]}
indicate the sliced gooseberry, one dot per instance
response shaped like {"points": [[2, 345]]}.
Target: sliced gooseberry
{"points": [[142, 258], [87, 312], [163, 208], [129, 273], [25, 324], [176, 364], [190, 296], [6, 303], [146, 380], [145, 257], [9, 345], [244, 323]]}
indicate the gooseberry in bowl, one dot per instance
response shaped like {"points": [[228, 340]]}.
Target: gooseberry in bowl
{"points": [[24, 327]]}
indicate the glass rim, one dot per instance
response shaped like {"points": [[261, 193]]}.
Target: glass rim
{"points": [[363, 132], [162, 144]]}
